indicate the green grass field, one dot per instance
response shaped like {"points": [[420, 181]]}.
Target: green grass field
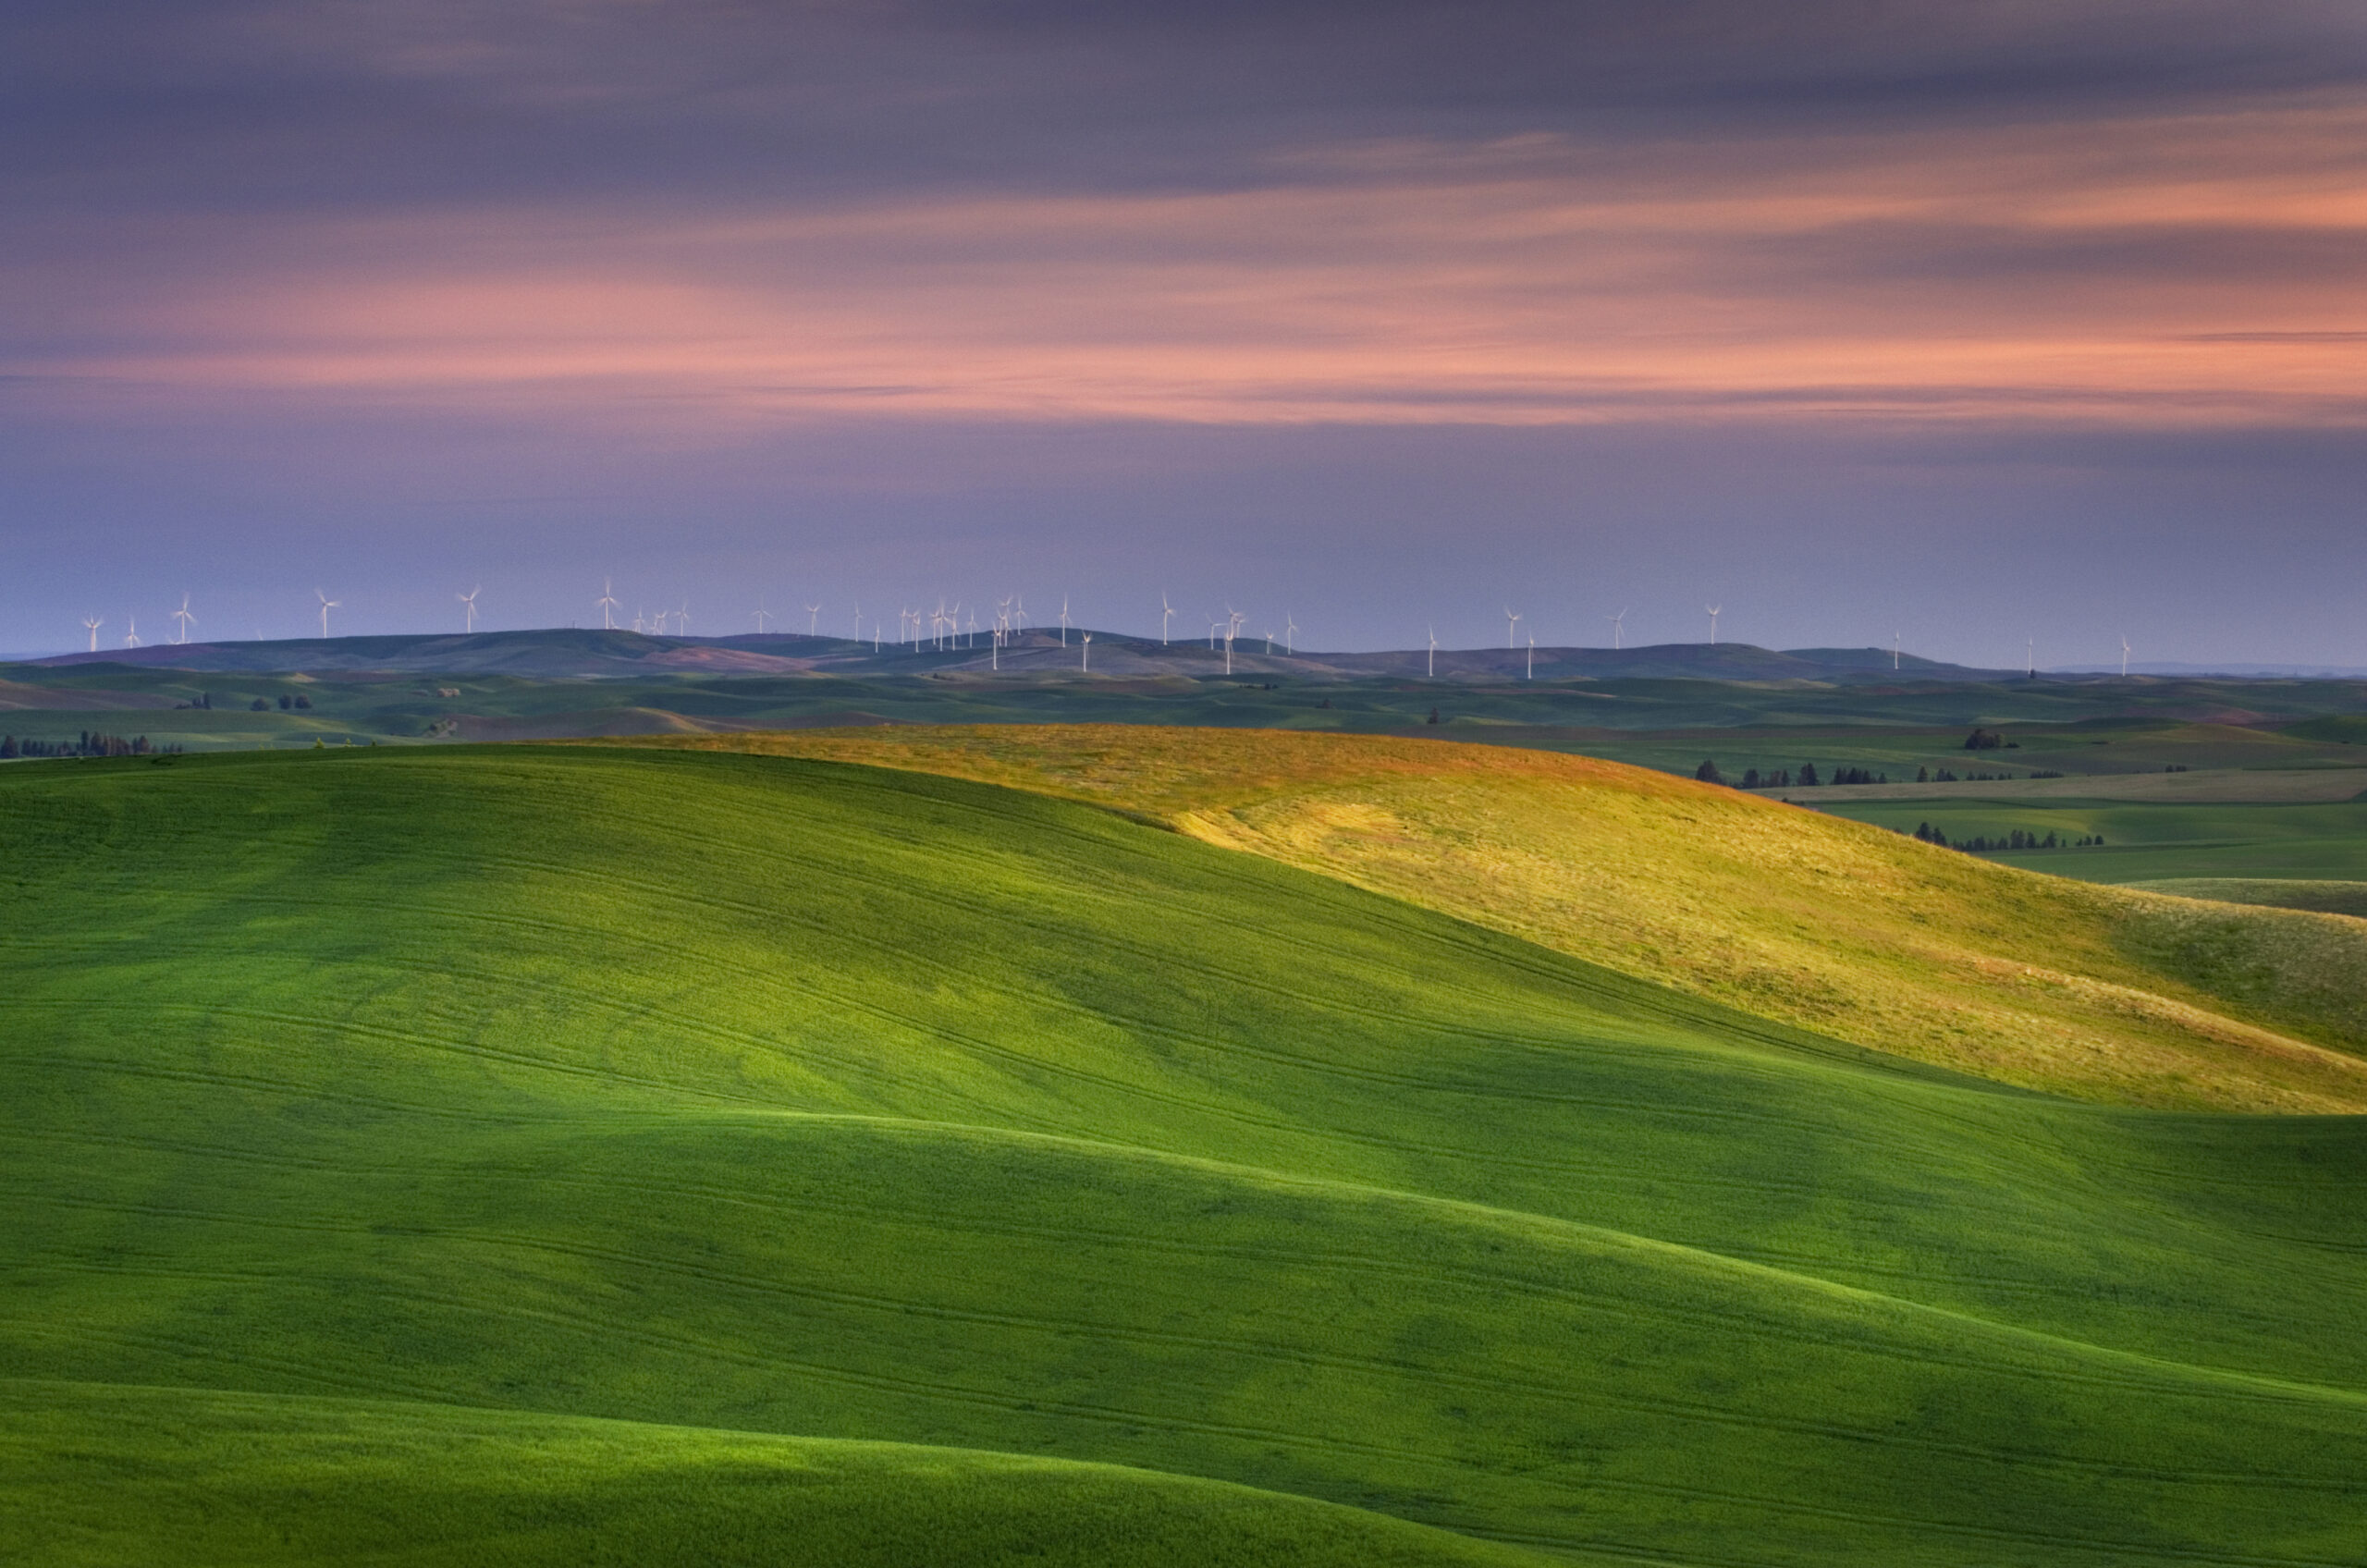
{"points": [[520, 1156], [2148, 841]]}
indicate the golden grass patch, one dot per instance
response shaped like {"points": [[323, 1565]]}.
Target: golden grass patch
{"points": [[1851, 930]]}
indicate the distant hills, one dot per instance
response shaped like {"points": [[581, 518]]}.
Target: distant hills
{"points": [[590, 654]]}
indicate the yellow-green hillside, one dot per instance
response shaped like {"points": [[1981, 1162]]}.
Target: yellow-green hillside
{"points": [[1854, 931]]}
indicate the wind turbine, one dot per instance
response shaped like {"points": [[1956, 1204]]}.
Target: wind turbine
{"points": [[1433, 668], [1290, 635], [1088, 651], [813, 620], [763, 615], [2029, 654], [1166, 614], [183, 615], [1614, 621], [1532, 655], [327, 605], [91, 625], [2124, 656], [606, 605], [1894, 649], [1270, 643], [469, 600], [1511, 621], [682, 619], [131, 638], [1064, 620], [1713, 610]]}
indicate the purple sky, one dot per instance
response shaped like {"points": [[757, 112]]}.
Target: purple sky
{"points": [[1979, 321]]}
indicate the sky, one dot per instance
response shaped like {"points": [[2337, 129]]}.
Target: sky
{"points": [[1971, 322]]}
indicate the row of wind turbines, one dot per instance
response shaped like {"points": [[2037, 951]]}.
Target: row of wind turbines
{"points": [[947, 632]]}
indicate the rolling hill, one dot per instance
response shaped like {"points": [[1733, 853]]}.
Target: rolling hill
{"points": [[1829, 924], [487, 1154]]}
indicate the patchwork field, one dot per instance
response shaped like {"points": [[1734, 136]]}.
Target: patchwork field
{"points": [[1790, 915], [517, 1155]]}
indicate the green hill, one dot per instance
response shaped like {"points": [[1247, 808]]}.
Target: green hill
{"points": [[471, 1154], [1892, 943]]}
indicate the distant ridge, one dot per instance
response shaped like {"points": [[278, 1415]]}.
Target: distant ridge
{"points": [[574, 654]]}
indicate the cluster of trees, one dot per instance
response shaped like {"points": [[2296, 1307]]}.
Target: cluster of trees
{"points": [[1781, 777], [204, 700], [1988, 740], [88, 743], [299, 700], [2019, 838]]}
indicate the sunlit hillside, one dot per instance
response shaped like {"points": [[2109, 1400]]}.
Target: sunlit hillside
{"points": [[1849, 929]]}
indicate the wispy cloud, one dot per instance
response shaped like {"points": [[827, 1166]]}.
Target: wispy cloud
{"points": [[2172, 270]]}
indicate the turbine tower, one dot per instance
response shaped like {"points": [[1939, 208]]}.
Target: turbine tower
{"points": [[1894, 649], [469, 601], [2124, 656], [91, 625], [1614, 621], [1532, 655], [763, 615], [1713, 610], [1512, 620], [814, 621], [1087, 664], [1064, 620], [1432, 669], [183, 615], [2030, 654], [131, 638], [606, 605], [327, 605], [1166, 614]]}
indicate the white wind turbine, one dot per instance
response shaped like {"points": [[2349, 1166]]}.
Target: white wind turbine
{"points": [[1166, 614], [606, 605], [1064, 620], [1087, 665], [1615, 620], [2030, 654], [1532, 655], [1714, 611], [468, 602], [131, 638], [327, 605], [682, 619], [183, 615], [1433, 668], [813, 620], [1894, 649], [1512, 620], [763, 615], [91, 624], [2124, 656], [1290, 635]]}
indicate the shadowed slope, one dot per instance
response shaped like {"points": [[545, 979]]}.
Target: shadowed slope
{"points": [[1850, 930], [726, 1092]]}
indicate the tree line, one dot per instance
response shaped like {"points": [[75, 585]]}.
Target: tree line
{"points": [[88, 743]]}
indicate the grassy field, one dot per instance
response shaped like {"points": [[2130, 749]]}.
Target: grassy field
{"points": [[2148, 840], [475, 1155], [1793, 915]]}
